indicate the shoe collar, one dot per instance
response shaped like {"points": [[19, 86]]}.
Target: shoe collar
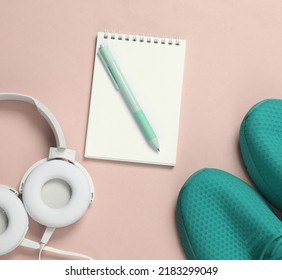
{"points": [[273, 248]]}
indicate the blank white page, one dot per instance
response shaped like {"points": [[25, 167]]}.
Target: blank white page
{"points": [[153, 69]]}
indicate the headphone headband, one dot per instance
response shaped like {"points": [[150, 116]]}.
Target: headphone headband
{"points": [[43, 110]]}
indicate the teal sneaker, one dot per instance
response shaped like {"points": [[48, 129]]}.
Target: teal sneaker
{"points": [[261, 148], [220, 217]]}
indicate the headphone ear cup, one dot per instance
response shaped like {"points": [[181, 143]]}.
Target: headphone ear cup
{"points": [[71, 175], [17, 220]]}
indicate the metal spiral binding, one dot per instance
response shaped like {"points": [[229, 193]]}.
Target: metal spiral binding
{"points": [[141, 38]]}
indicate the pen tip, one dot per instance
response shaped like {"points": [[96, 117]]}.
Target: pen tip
{"points": [[158, 150]]}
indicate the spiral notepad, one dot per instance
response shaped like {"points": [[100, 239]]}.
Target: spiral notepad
{"points": [[153, 67]]}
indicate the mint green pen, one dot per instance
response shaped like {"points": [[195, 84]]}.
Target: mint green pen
{"points": [[121, 85]]}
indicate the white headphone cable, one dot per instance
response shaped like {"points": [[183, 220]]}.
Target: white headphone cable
{"points": [[35, 245], [67, 253], [45, 238]]}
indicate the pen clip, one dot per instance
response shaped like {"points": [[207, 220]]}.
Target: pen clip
{"points": [[107, 68]]}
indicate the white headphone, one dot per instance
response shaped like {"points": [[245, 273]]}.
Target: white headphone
{"points": [[59, 166]]}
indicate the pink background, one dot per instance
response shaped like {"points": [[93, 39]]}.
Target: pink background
{"points": [[233, 60]]}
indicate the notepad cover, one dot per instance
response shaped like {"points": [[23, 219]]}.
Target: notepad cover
{"points": [[153, 68]]}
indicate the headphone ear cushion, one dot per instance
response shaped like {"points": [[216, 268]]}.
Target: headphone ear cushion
{"points": [[69, 173], [17, 221]]}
